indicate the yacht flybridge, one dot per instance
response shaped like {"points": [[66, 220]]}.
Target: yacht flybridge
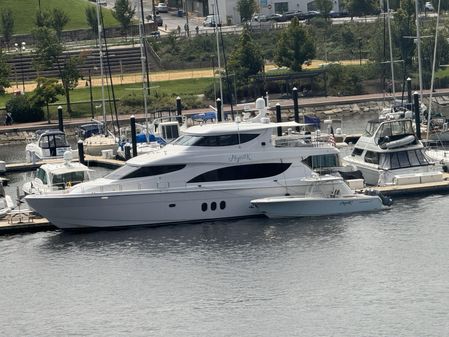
{"points": [[212, 171], [389, 153]]}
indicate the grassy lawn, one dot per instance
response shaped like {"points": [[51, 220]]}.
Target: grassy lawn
{"points": [[80, 97], [24, 13]]}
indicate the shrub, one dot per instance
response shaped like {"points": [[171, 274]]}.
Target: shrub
{"points": [[22, 111]]}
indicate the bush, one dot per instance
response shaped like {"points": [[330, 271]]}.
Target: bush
{"points": [[22, 111]]}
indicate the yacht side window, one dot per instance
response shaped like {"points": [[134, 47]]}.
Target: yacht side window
{"points": [[216, 140], [357, 151], [242, 172], [128, 172], [372, 157]]}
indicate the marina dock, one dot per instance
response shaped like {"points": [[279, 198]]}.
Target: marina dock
{"points": [[22, 222], [90, 161]]}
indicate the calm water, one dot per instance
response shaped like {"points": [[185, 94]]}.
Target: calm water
{"points": [[382, 274]]}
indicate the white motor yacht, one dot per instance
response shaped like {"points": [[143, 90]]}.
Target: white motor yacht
{"points": [[47, 144], [326, 195], [389, 153], [213, 171], [58, 176]]}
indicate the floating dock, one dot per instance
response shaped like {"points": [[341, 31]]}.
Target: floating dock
{"points": [[23, 222], [90, 161]]}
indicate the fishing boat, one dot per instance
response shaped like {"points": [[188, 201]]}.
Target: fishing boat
{"points": [[212, 171], [325, 195], [46, 144], [389, 153], [57, 176]]}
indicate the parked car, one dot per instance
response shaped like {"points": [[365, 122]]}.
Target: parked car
{"points": [[294, 14], [211, 21], [335, 14], [259, 18], [276, 17], [429, 7], [158, 20], [162, 7]]}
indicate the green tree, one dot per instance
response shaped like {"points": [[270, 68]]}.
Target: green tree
{"points": [[42, 19], [7, 25], [246, 59], [4, 73], [295, 46], [91, 19], [22, 110], [246, 9], [47, 91], [324, 7], [123, 13], [404, 25], [49, 53], [59, 19], [361, 7]]}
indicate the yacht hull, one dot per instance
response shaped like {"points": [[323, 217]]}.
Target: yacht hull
{"points": [[78, 211]]}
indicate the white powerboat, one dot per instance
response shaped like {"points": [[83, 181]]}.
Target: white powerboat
{"points": [[389, 153], [47, 144], [6, 203], [57, 177], [213, 171], [327, 195]]}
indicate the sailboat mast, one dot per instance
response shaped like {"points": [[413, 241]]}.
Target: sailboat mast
{"points": [[391, 51], [143, 65], [100, 48], [216, 17], [429, 115], [418, 43]]}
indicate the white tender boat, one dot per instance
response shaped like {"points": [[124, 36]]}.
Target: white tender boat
{"points": [[47, 144], [56, 177], [212, 171], [389, 153], [327, 195]]}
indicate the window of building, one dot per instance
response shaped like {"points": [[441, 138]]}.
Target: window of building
{"points": [[242, 172]]}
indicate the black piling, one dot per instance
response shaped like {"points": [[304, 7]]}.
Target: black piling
{"points": [[81, 152], [127, 151], [278, 118], [178, 106], [417, 115], [133, 135], [296, 106], [60, 121], [409, 90], [219, 112]]}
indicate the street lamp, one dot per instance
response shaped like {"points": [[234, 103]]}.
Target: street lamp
{"points": [[21, 49]]}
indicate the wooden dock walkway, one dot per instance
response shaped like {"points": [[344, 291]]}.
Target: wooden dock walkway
{"points": [[16, 224]]}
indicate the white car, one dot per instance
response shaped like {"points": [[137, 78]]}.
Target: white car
{"points": [[162, 7], [428, 6]]}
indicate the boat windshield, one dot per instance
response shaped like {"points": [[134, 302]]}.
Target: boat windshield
{"points": [[53, 141], [396, 128], [70, 178], [215, 140], [371, 127]]}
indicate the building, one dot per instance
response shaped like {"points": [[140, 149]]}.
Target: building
{"points": [[229, 14]]}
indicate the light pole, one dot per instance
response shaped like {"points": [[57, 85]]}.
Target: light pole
{"points": [[21, 49]]}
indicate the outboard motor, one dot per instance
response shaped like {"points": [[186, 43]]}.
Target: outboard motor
{"points": [[386, 200]]}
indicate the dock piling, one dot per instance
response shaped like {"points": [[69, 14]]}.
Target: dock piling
{"points": [[81, 152], [278, 118], [133, 135], [127, 151], [219, 114], [60, 120]]}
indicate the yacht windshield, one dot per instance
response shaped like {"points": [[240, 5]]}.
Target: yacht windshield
{"points": [[218, 140], [73, 178]]}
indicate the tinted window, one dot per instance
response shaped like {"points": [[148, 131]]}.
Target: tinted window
{"points": [[357, 151], [372, 157], [322, 161], [127, 171], [242, 172], [218, 140]]}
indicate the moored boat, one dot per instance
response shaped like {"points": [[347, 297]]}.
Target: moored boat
{"points": [[327, 195]]}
